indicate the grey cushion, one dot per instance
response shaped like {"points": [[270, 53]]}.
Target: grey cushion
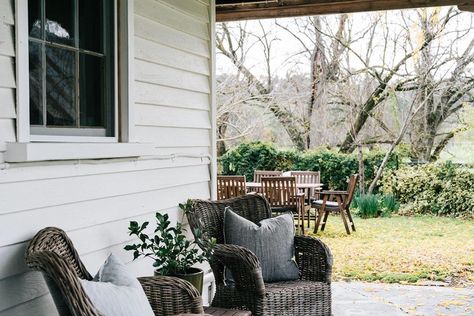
{"points": [[330, 204], [114, 291], [272, 241]]}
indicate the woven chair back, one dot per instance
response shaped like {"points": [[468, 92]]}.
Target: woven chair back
{"points": [[259, 174], [230, 186], [280, 192], [52, 252], [351, 187], [209, 215]]}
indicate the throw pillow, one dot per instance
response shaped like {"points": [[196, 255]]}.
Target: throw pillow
{"points": [[114, 291], [271, 240]]}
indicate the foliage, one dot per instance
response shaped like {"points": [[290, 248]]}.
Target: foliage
{"points": [[368, 205], [335, 168], [439, 189], [402, 249], [171, 251], [389, 205]]}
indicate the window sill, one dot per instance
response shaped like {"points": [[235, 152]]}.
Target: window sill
{"points": [[26, 152]]}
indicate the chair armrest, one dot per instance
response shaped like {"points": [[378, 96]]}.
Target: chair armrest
{"points": [[244, 266], [314, 259], [171, 296]]}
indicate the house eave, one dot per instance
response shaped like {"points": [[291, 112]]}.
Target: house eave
{"points": [[291, 8]]}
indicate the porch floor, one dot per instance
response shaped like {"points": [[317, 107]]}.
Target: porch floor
{"points": [[358, 298]]}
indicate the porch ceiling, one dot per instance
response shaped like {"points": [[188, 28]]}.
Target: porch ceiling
{"points": [[234, 10]]}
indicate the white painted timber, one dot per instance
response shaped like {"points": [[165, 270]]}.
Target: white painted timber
{"points": [[170, 136], [21, 152], [171, 17], [159, 33], [51, 192], [7, 43], [149, 93], [196, 9], [156, 115], [171, 77], [164, 55], [7, 74], [7, 103], [171, 82], [6, 12]]}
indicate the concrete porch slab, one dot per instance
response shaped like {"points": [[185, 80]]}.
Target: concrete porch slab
{"points": [[358, 298]]}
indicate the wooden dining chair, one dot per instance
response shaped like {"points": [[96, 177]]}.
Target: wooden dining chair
{"points": [[230, 186], [283, 196], [338, 202], [259, 174], [310, 193]]}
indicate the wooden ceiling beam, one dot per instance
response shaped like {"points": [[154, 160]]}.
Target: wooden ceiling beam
{"points": [[466, 8], [291, 8]]}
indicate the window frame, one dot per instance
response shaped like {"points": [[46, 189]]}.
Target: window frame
{"points": [[123, 34]]}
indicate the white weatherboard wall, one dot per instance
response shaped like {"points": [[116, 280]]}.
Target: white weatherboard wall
{"points": [[93, 200]]}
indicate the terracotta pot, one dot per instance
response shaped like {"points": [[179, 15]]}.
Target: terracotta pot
{"points": [[194, 276]]}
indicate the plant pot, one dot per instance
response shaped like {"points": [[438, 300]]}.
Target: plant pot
{"points": [[194, 276]]}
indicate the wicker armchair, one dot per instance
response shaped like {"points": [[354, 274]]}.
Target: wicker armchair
{"points": [[310, 295], [52, 252]]}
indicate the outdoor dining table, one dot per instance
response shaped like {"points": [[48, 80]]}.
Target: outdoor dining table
{"points": [[299, 186]]}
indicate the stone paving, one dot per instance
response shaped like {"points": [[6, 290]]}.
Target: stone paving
{"points": [[358, 298]]}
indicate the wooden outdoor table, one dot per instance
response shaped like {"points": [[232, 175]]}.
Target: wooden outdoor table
{"points": [[300, 186]]}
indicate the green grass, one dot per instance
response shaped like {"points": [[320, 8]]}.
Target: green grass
{"points": [[403, 249]]}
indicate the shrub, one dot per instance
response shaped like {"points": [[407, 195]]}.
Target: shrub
{"points": [[368, 205], [437, 188], [247, 157], [335, 168], [389, 205]]}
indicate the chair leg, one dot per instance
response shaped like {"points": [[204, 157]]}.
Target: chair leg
{"points": [[308, 217], [322, 210], [350, 219], [326, 214], [343, 214]]}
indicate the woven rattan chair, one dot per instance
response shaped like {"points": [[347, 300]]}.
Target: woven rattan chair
{"points": [[52, 252], [310, 295], [337, 202], [230, 186]]}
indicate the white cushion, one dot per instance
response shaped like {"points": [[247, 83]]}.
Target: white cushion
{"points": [[114, 291], [328, 203]]}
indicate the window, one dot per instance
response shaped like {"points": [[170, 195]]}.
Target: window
{"points": [[71, 67]]}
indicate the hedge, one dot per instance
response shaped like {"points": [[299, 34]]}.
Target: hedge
{"points": [[436, 188], [335, 168]]}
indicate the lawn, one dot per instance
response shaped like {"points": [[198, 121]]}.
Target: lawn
{"points": [[403, 249]]}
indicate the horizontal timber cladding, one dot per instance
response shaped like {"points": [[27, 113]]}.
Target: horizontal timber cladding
{"points": [[93, 200]]}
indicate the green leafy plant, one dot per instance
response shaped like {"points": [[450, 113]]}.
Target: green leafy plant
{"points": [[169, 248], [389, 205], [368, 206], [335, 167], [442, 189]]}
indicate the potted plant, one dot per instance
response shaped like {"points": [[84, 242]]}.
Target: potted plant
{"points": [[172, 252]]}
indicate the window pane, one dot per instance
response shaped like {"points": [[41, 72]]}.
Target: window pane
{"points": [[34, 18], [92, 90], [91, 25], [60, 66], [59, 26], [36, 84]]}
